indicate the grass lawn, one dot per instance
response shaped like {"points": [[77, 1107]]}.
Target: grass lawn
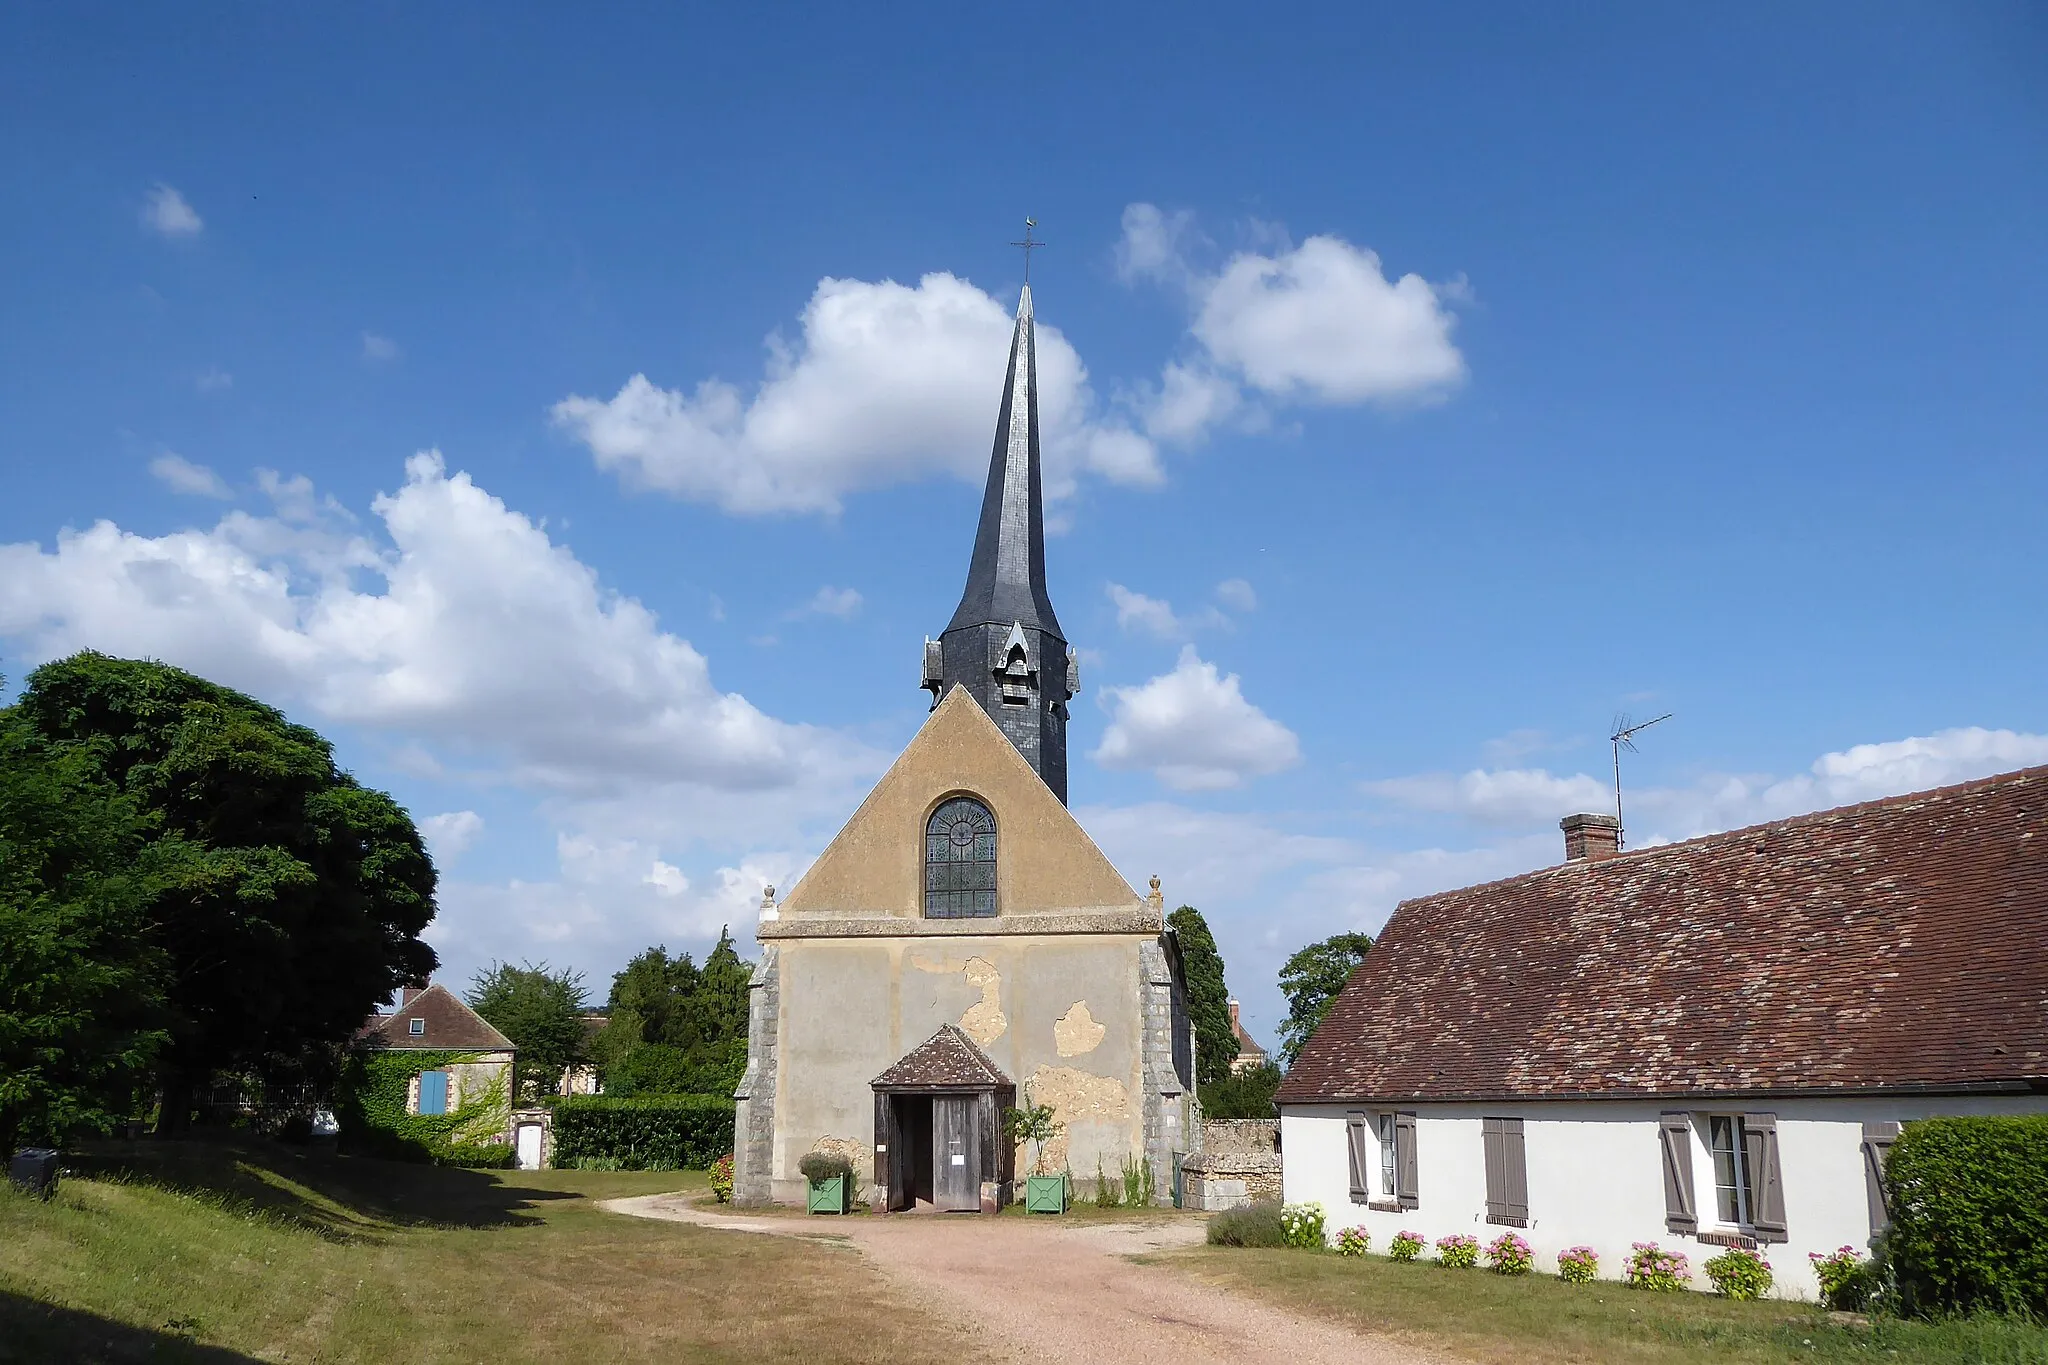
{"points": [[1535, 1320], [222, 1251]]}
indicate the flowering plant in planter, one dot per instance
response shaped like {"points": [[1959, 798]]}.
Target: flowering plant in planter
{"points": [[1508, 1254], [1841, 1273], [1650, 1267], [1578, 1265], [721, 1178], [1740, 1273], [1353, 1242], [1406, 1246], [1457, 1251], [1304, 1225]]}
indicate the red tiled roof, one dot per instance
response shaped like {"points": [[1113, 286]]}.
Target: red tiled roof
{"points": [[1900, 943], [451, 1025]]}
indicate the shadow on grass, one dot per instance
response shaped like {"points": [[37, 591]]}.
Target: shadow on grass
{"points": [[31, 1331], [337, 1197]]}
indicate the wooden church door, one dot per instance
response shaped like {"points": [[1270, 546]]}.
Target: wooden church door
{"points": [[956, 1153]]}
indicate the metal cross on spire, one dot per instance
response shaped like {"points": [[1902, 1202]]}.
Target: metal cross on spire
{"points": [[1029, 246]]}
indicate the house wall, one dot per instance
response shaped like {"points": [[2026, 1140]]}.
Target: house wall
{"points": [[1595, 1173], [1064, 1015]]}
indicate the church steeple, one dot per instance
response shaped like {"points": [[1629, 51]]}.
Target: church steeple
{"points": [[1004, 644]]}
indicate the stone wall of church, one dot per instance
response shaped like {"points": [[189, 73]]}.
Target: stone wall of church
{"points": [[1082, 1022]]}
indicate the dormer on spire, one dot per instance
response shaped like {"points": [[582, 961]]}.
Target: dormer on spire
{"points": [[1004, 644]]}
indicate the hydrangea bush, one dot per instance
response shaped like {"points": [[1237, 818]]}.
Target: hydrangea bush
{"points": [[1740, 1273], [1304, 1225], [1406, 1246], [1650, 1267], [1353, 1242], [1842, 1275], [1578, 1265], [721, 1178], [1457, 1251], [1508, 1254]]}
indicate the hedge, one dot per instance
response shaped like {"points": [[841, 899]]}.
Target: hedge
{"points": [[644, 1132], [1969, 1206]]}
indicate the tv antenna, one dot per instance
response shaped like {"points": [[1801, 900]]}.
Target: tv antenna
{"points": [[1624, 737]]}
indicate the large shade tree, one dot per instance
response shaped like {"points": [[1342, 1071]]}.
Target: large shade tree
{"points": [[286, 898], [81, 986], [1310, 980], [676, 1027], [541, 1010]]}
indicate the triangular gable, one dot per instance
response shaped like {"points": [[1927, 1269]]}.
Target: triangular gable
{"points": [[947, 1059], [1045, 862], [450, 1025]]}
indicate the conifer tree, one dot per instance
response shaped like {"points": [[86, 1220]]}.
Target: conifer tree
{"points": [[1208, 997]]}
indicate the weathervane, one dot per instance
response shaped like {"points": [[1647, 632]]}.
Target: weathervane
{"points": [[1029, 247]]}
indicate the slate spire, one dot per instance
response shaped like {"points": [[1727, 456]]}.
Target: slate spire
{"points": [[1004, 644]]}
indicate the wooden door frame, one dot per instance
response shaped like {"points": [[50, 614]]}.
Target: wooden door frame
{"points": [[997, 1156]]}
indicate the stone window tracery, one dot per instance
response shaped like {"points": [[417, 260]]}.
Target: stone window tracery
{"points": [[960, 860]]}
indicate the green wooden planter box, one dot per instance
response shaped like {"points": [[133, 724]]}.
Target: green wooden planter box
{"points": [[829, 1196], [1045, 1194]]}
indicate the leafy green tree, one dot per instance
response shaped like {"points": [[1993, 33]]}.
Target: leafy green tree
{"points": [[286, 898], [81, 986], [541, 1011], [1310, 980], [675, 1027], [1208, 997], [1246, 1094]]}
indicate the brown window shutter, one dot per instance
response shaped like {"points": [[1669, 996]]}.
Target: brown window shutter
{"points": [[1354, 1143], [1766, 1176], [1877, 1149], [1516, 1162], [1496, 1169], [1406, 1185], [1674, 1134]]}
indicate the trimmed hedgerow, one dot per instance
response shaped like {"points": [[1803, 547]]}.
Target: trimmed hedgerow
{"points": [[1969, 1206], [1250, 1225], [644, 1132]]}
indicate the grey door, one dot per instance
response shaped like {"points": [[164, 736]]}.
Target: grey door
{"points": [[956, 1154]]}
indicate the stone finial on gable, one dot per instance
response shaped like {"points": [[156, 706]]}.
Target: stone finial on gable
{"points": [[768, 910], [1154, 901]]}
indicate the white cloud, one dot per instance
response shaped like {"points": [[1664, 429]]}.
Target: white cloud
{"points": [[473, 633], [1135, 611], [1317, 323], [180, 475], [451, 834], [167, 212], [842, 603], [379, 349], [887, 383], [1237, 594], [1193, 730], [1719, 800], [213, 379]]}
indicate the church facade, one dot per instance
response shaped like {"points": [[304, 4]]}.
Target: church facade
{"points": [[962, 945]]}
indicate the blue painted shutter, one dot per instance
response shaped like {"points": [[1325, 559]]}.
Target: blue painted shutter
{"points": [[433, 1092]]}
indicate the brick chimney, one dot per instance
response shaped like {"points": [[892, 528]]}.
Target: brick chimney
{"points": [[1590, 838], [1235, 1029], [408, 994]]}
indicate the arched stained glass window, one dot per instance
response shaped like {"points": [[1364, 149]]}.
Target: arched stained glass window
{"points": [[960, 861]]}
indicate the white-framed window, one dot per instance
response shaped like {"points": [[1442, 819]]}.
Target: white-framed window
{"points": [[416, 1027], [1732, 1190], [1384, 1129]]}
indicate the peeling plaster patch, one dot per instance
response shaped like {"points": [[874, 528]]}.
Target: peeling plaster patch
{"points": [[1076, 1031], [937, 966], [1077, 1097], [984, 1022]]}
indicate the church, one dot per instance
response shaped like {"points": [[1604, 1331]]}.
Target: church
{"points": [[962, 946]]}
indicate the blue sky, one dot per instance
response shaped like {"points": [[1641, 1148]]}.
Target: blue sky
{"points": [[1511, 370]]}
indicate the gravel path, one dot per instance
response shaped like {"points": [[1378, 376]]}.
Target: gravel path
{"points": [[1057, 1291]]}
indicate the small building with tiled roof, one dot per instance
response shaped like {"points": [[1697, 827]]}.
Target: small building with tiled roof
{"points": [[1710, 1042], [464, 1068], [1250, 1056]]}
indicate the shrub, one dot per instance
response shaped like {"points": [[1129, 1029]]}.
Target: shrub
{"points": [[1969, 1205], [1578, 1265], [1509, 1254], [822, 1166], [1354, 1242], [488, 1156], [1304, 1224], [1845, 1278], [1138, 1187], [721, 1179], [1406, 1246], [1457, 1251], [1648, 1267], [650, 1132], [1740, 1273], [1252, 1225]]}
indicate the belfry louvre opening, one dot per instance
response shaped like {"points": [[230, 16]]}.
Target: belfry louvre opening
{"points": [[960, 861]]}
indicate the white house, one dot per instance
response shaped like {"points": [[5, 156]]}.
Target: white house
{"points": [[1705, 1044]]}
